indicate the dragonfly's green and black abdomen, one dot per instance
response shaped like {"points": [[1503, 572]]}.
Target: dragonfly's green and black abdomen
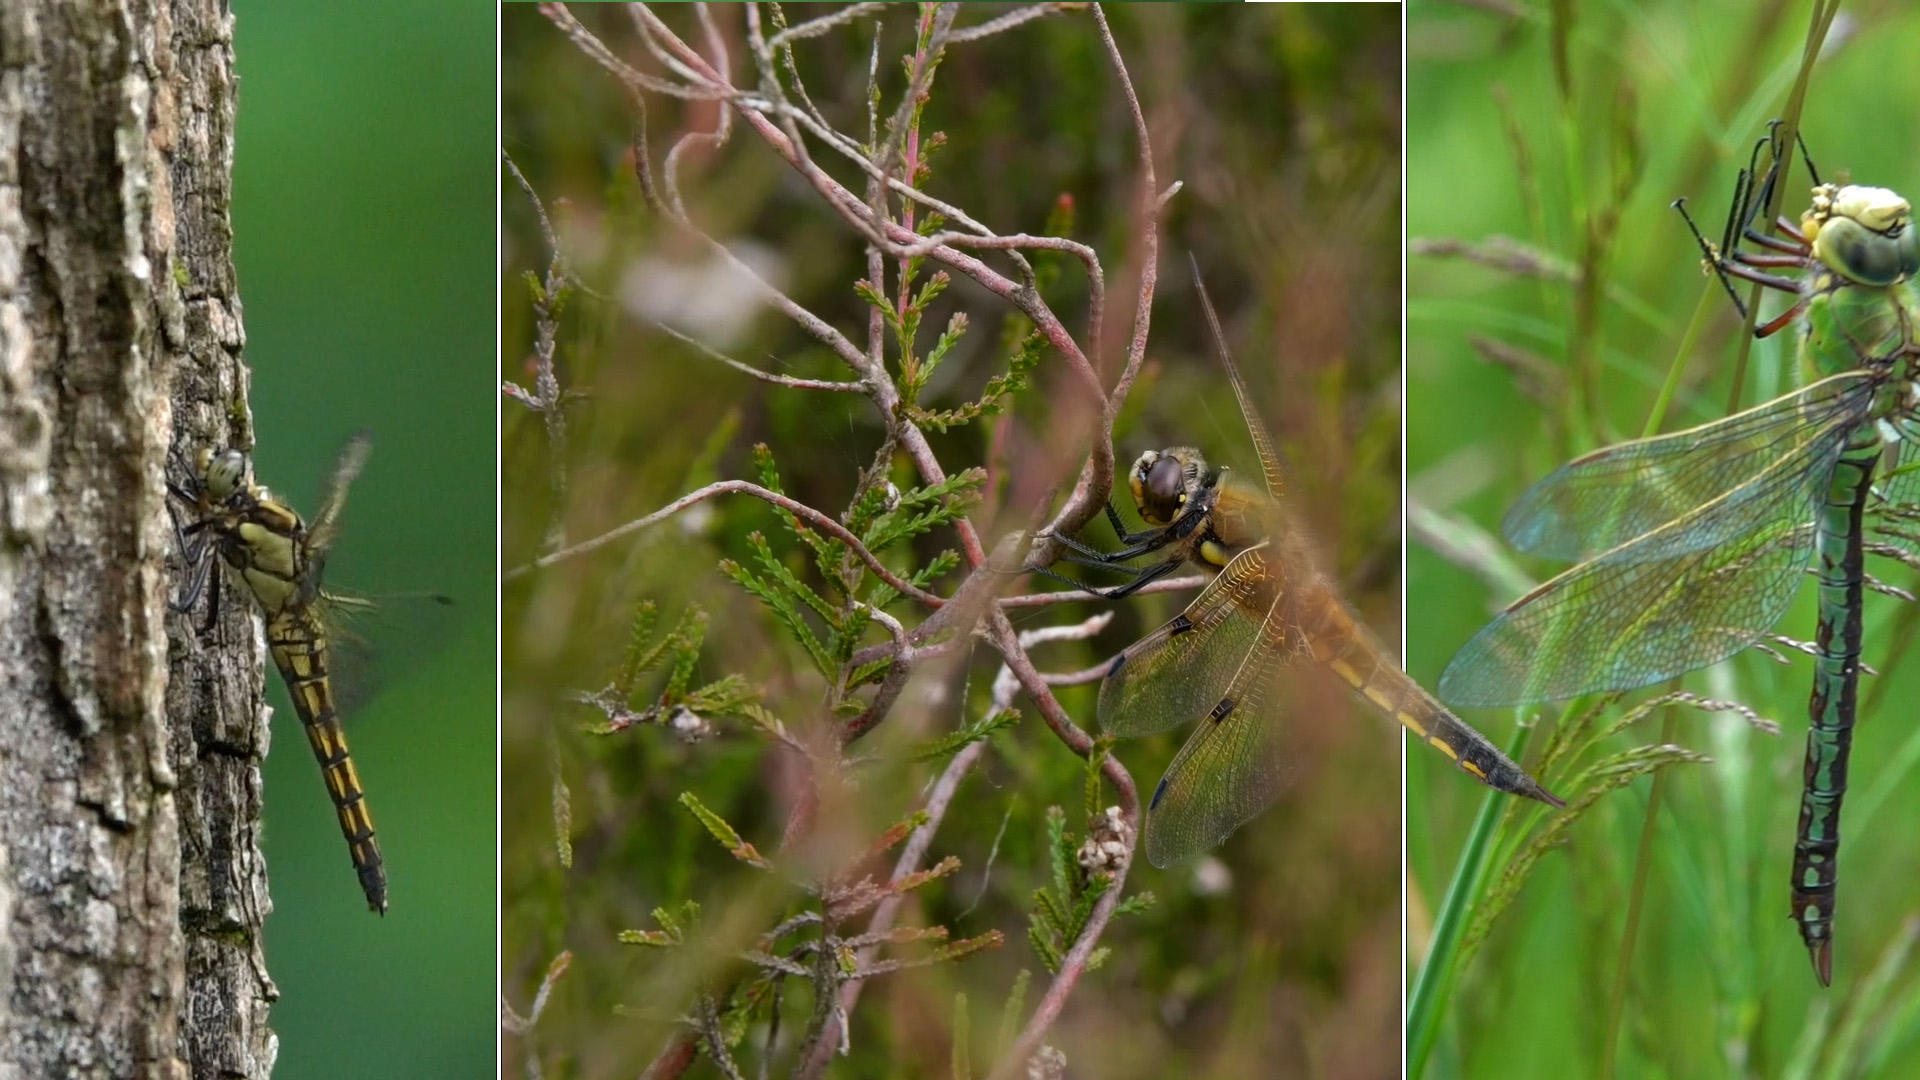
{"points": [[1832, 708]]}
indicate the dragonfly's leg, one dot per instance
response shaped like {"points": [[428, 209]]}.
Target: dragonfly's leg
{"points": [[1120, 529], [1781, 322], [177, 459], [1138, 544], [1077, 547], [1713, 255], [212, 579], [1765, 240], [1749, 259], [1143, 575], [198, 557], [1105, 564], [1151, 574], [1771, 281]]}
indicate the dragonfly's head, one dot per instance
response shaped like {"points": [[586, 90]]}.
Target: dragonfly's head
{"points": [[1169, 483], [1864, 234], [222, 473]]}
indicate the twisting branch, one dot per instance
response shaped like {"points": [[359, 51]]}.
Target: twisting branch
{"points": [[814, 517], [1074, 963], [546, 398], [891, 216], [1095, 484]]}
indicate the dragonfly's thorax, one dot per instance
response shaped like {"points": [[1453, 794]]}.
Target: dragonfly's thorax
{"points": [[263, 548], [259, 536]]}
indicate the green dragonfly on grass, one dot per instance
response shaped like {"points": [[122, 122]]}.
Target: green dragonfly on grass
{"points": [[1691, 545]]}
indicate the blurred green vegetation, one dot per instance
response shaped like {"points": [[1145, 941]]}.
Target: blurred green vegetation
{"points": [[363, 195], [1282, 123], [1539, 126]]}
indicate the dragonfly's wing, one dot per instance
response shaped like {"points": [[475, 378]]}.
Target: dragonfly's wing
{"points": [[1661, 604], [324, 527], [376, 641], [1599, 502], [1175, 674], [1896, 517], [1229, 770], [1263, 443]]}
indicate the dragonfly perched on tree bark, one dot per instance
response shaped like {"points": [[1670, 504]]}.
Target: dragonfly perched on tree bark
{"points": [[1221, 660], [279, 557], [1691, 545]]}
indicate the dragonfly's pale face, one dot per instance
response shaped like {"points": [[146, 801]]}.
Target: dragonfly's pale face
{"points": [[1863, 233], [1166, 483]]}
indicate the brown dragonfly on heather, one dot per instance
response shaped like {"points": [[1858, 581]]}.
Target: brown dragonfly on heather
{"points": [[1223, 661]]}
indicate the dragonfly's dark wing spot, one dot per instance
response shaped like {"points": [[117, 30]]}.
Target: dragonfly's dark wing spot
{"points": [[1175, 674], [1230, 769]]}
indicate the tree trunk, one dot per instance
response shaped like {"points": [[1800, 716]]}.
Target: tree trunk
{"points": [[131, 884]]}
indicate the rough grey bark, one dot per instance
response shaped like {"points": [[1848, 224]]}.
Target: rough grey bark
{"points": [[131, 885]]}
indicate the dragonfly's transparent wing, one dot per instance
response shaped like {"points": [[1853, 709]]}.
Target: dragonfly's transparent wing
{"points": [[1175, 674], [1230, 768], [1896, 506], [376, 641], [1599, 502], [1661, 604], [324, 527], [1263, 443]]}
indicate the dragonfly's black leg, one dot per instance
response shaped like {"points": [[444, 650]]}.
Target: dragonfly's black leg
{"points": [[199, 563], [1138, 544], [1712, 254], [1151, 574], [213, 597], [1142, 575]]}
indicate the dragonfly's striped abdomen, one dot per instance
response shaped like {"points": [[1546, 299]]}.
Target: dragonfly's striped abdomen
{"points": [[1346, 648], [1831, 710], [299, 648]]}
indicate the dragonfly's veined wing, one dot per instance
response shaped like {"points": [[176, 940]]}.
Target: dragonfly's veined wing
{"points": [[380, 639], [324, 527], [1896, 506], [1602, 500], [1175, 674], [1692, 591], [1215, 664]]}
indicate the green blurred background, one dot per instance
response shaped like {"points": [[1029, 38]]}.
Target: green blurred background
{"points": [[1282, 121], [1718, 982], [363, 234]]}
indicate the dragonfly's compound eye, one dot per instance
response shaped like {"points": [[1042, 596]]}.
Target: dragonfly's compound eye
{"points": [[226, 472], [1869, 237], [1161, 489]]}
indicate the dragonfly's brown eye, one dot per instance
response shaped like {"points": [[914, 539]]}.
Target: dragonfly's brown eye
{"points": [[1163, 490]]}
